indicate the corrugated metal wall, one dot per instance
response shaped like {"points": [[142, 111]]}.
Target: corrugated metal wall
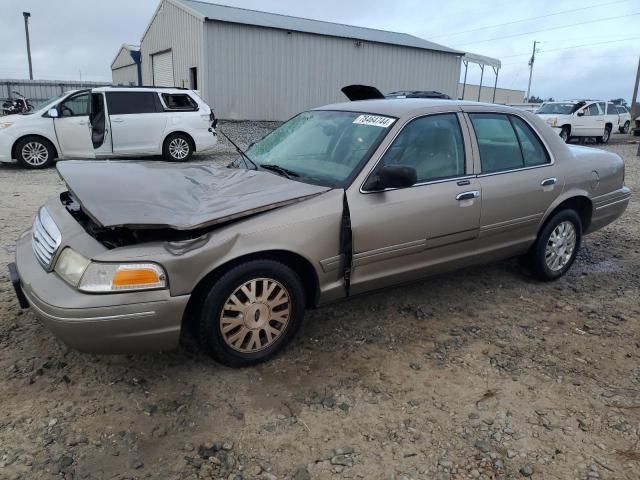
{"points": [[125, 75], [40, 90], [123, 59], [257, 73], [174, 28], [503, 95]]}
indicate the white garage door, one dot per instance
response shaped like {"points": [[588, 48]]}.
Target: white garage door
{"points": [[162, 69]]}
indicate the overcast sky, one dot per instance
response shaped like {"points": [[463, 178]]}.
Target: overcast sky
{"points": [[73, 38]]}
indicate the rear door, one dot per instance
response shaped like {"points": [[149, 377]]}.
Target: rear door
{"points": [[73, 128], [138, 122], [517, 176]]}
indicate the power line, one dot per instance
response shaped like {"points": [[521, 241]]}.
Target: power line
{"points": [[572, 46], [528, 19], [548, 29]]}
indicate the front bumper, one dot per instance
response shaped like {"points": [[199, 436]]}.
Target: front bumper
{"points": [[107, 323], [6, 142]]}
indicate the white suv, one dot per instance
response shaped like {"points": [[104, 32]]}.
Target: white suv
{"points": [[109, 122], [579, 118]]}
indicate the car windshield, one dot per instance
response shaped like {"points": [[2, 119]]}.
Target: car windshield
{"points": [[321, 146], [558, 108]]}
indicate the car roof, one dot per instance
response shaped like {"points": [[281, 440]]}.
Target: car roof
{"points": [[140, 89], [399, 107]]}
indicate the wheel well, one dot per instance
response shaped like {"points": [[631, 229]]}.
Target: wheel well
{"points": [[294, 261], [582, 205], [608, 124], [14, 147], [193, 143], [567, 126]]}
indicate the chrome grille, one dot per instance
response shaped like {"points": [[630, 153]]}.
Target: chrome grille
{"points": [[45, 238]]}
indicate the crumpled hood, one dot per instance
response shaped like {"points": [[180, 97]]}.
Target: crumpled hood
{"points": [[149, 194]]}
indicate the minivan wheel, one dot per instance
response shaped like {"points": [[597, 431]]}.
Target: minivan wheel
{"points": [[564, 134], [177, 148], [34, 152], [556, 246], [251, 313]]}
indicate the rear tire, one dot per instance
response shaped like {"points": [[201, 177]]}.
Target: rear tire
{"points": [[35, 152], [625, 127], [177, 147], [606, 137], [251, 313], [556, 246], [565, 134]]}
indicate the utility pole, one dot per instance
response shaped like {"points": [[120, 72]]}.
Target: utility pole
{"points": [[531, 61], [635, 107], [26, 16]]}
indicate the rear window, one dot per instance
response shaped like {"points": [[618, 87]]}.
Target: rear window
{"points": [[126, 103], [179, 101]]}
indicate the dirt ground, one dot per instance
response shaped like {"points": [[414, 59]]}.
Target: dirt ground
{"points": [[483, 373]]}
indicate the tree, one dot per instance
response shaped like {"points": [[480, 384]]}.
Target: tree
{"points": [[534, 99]]}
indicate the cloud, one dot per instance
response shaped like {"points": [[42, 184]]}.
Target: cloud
{"points": [[84, 35]]}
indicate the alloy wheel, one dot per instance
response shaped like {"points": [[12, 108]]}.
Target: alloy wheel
{"points": [[35, 154], [607, 134], [560, 246], [179, 148], [255, 315]]}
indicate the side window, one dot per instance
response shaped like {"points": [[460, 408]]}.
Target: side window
{"points": [[179, 102], [125, 103], [611, 109], [602, 107], [499, 146], [75, 106], [533, 150], [432, 145]]}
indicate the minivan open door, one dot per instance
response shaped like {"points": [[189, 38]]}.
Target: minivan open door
{"points": [[73, 126], [361, 92]]}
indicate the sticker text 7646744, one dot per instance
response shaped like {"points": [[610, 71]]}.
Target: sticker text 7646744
{"points": [[374, 120]]}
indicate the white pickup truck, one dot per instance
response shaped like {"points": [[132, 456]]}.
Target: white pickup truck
{"points": [[580, 118]]}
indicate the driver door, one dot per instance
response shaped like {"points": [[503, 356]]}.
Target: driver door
{"points": [[401, 234], [73, 128]]}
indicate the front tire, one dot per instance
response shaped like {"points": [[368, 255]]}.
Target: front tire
{"points": [[251, 313], [177, 147], [565, 134], [35, 153], [556, 246]]}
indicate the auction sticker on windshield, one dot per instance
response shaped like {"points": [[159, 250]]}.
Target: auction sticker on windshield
{"points": [[374, 120]]}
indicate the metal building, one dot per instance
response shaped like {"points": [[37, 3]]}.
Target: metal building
{"points": [[125, 68], [253, 65]]}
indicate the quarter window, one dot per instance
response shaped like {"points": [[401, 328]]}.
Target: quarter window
{"points": [[75, 106], [179, 102], [124, 103], [432, 145], [533, 151]]}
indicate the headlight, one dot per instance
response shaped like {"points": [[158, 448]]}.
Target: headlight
{"points": [[97, 277], [552, 122], [5, 125]]}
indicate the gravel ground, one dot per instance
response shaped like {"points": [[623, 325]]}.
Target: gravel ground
{"points": [[483, 373]]}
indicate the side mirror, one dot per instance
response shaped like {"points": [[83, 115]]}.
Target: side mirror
{"points": [[580, 114], [53, 113], [392, 176]]}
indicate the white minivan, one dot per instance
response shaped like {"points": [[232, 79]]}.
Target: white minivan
{"points": [[579, 118], [109, 122]]}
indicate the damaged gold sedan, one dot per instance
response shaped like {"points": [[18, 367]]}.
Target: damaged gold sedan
{"points": [[338, 201]]}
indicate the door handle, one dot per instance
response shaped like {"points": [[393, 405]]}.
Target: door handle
{"points": [[547, 182], [468, 195], [117, 120], [82, 122]]}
